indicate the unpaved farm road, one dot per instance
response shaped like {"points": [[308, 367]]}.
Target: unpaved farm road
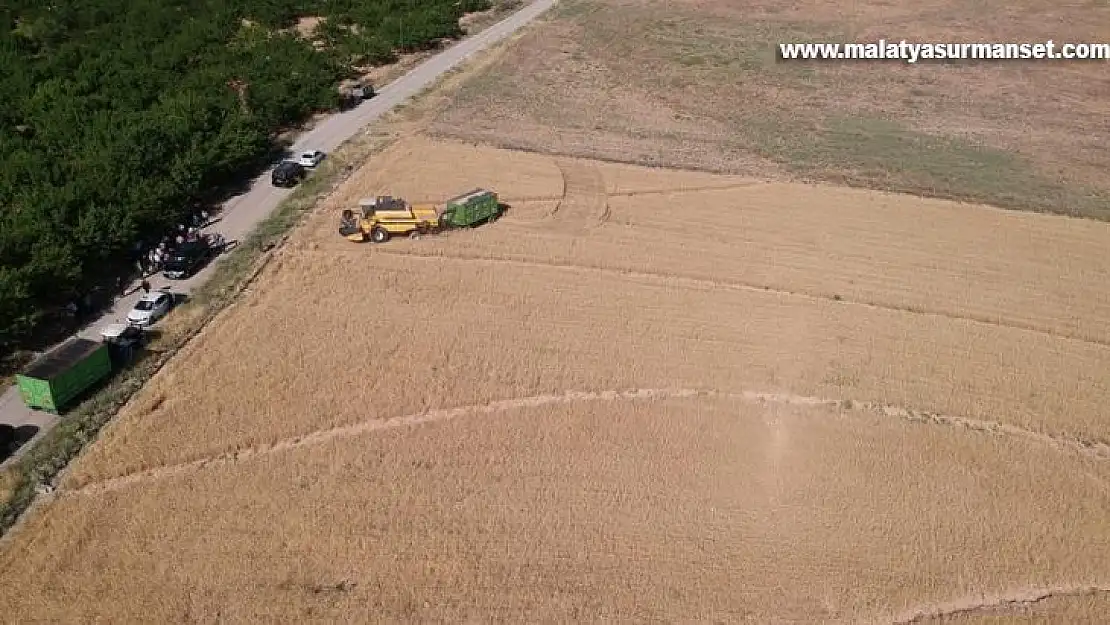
{"points": [[241, 214]]}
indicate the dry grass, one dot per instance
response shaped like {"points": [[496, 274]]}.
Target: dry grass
{"points": [[680, 509], [698, 85], [306, 25], [859, 417]]}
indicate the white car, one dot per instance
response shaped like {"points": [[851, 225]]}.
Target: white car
{"points": [[310, 159], [150, 308]]}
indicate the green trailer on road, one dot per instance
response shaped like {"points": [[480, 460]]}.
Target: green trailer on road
{"points": [[470, 209], [63, 373]]}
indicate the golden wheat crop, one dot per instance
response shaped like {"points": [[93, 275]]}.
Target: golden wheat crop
{"points": [[846, 411], [636, 506], [868, 297]]}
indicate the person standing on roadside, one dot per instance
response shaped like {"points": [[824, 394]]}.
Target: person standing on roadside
{"points": [[145, 286]]}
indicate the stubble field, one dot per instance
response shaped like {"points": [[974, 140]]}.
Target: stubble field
{"points": [[697, 84], [634, 396]]}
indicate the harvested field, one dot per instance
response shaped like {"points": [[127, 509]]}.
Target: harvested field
{"points": [[641, 394], [698, 85]]}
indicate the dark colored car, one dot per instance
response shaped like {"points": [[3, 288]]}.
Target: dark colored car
{"points": [[187, 258], [288, 174]]}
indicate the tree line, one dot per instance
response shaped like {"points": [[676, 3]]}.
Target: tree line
{"points": [[122, 117]]}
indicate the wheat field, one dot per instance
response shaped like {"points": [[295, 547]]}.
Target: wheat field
{"points": [[640, 395], [636, 507]]}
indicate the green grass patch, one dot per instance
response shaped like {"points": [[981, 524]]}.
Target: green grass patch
{"points": [[879, 153], [722, 49], [571, 9], [485, 85]]}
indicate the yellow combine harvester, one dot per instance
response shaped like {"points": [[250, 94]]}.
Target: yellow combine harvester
{"points": [[384, 217]]}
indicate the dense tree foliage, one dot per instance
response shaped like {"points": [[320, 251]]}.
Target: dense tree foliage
{"points": [[119, 116]]}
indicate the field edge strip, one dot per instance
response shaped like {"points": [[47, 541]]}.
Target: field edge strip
{"points": [[1096, 450], [1019, 599], [521, 199]]}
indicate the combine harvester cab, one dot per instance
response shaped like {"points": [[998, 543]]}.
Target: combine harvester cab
{"points": [[350, 227]]}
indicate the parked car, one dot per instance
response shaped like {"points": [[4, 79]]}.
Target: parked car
{"points": [[288, 174], [150, 308], [187, 258], [310, 159], [354, 93], [123, 341]]}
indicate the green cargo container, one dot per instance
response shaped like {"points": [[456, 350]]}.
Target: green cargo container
{"points": [[471, 209], [63, 373]]}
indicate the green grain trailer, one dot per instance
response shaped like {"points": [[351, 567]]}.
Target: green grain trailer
{"points": [[471, 209], [63, 373]]}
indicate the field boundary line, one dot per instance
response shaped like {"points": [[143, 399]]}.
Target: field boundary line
{"points": [[1025, 598], [745, 286], [634, 193], [1097, 450], [365, 427]]}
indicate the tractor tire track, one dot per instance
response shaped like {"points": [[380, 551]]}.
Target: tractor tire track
{"points": [[365, 427], [683, 281], [633, 193], [1100, 451], [971, 605], [585, 203]]}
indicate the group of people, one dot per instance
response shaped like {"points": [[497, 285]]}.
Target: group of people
{"points": [[152, 261]]}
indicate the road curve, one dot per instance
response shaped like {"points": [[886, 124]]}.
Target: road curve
{"points": [[241, 214]]}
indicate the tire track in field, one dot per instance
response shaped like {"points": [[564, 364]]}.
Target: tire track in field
{"points": [[1019, 599], [365, 427], [632, 193], [747, 286], [1097, 450], [585, 203]]}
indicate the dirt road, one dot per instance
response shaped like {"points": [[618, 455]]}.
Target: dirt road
{"points": [[241, 214]]}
